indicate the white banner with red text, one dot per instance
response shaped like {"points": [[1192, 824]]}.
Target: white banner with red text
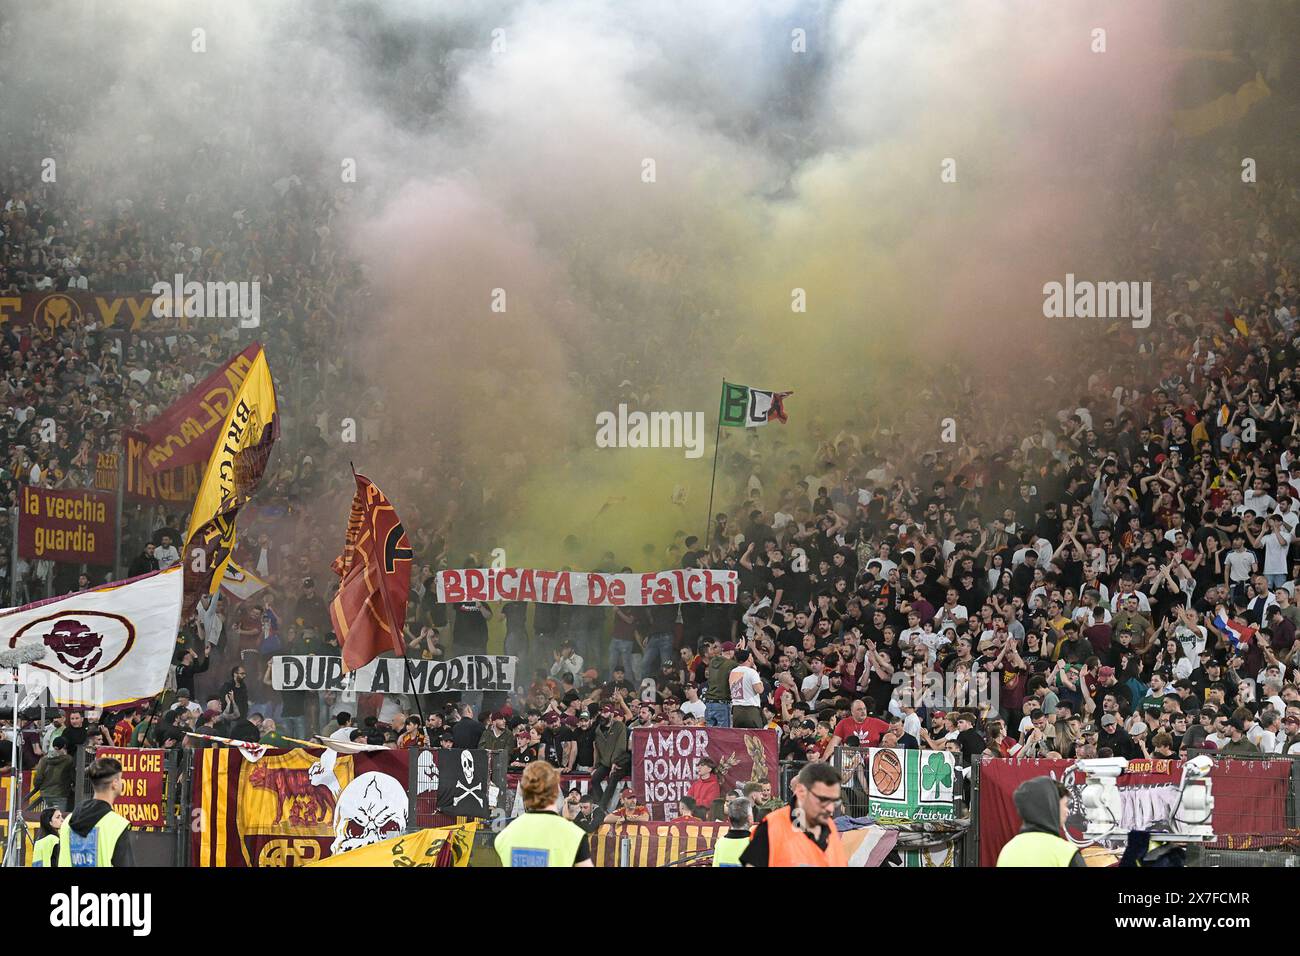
{"points": [[591, 589]]}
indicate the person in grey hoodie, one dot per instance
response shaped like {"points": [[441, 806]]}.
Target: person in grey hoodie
{"points": [[1043, 804]]}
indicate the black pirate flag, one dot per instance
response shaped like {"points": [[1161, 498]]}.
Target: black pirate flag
{"points": [[463, 783]]}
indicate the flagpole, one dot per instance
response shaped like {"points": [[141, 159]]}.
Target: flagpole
{"points": [[117, 517], [392, 623], [717, 438], [13, 560]]}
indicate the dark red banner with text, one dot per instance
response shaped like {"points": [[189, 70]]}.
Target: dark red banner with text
{"points": [[1250, 796], [75, 527], [185, 433], [113, 312], [666, 761], [143, 800]]}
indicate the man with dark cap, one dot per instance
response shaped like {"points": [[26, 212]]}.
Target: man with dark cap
{"points": [[495, 736], [1116, 738], [1043, 804]]}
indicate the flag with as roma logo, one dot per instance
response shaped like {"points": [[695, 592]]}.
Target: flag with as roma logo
{"points": [[105, 646], [369, 610]]}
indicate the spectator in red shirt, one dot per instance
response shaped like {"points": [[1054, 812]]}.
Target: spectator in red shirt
{"points": [[125, 728], [629, 808], [706, 788], [1098, 633], [858, 724]]}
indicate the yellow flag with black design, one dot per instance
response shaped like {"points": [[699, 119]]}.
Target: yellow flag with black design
{"points": [[439, 846], [233, 473]]}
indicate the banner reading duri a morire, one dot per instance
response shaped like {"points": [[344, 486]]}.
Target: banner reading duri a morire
{"points": [[392, 675]]}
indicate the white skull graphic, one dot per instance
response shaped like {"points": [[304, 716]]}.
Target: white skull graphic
{"points": [[371, 808], [427, 777], [467, 765]]}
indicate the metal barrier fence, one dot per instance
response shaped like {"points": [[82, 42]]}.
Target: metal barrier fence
{"points": [[1254, 826], [166, 844], [921, 843], [422, 790]]}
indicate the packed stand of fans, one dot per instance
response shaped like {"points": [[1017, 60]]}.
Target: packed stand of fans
{"points": [[1117, 579]]}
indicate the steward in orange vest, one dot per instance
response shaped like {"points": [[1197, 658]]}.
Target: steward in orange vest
{"points": [[802, 834]]}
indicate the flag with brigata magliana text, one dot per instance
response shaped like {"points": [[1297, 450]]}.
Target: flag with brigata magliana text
{"points": [[233, 473], [745, 407], [369, 610]]}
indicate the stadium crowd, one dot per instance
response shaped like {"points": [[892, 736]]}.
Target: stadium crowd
{"points": [[1116, 578]]}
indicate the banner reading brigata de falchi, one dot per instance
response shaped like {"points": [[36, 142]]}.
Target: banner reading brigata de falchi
{"points": [[593, 589], [666, 761], [71, 526]]}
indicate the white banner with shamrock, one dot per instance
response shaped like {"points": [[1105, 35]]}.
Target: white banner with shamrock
{"points": [[908, 785]]}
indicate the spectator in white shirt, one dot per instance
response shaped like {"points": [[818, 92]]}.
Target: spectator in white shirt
{"points": [[816, 683], [166, 554], [693, 706], [1258, 500], [1264, 732], [1276, 542], [1287, 514]]}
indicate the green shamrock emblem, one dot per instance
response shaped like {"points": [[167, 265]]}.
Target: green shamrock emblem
{"points": [[935, 772]]}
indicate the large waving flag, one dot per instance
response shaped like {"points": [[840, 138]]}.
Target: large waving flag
{"points": [[440, 846], [233, 474], [369, 610], [745, 407], [186, 431], [107, 646]]}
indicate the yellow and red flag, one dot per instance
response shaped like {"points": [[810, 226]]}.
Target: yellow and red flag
{"points": [[369, 610], [442, 846]]}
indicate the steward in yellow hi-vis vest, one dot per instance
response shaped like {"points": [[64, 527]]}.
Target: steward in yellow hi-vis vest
{"points": [[541, 837], [46, 850], [729, 846], [94, 835], [1043, 805], [727, 850]]}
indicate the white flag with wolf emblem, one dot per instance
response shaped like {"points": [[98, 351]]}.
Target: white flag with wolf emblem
{"points": [[106, 646]]}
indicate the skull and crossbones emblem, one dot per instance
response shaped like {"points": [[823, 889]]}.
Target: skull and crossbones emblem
{"points": [[467, 787]]}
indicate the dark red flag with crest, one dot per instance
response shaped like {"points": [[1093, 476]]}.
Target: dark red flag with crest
{"points": [[370, 609]]}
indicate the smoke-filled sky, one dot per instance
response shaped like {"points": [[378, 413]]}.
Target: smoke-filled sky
{"points": [[502, 145]]}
